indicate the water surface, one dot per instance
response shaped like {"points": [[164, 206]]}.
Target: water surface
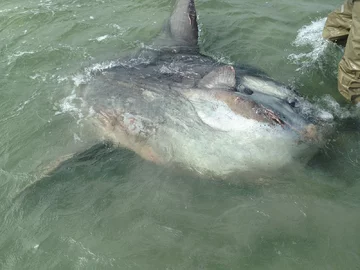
{"points": [[112, 210]]}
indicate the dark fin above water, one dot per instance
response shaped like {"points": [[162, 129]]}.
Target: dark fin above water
{"points": [[181, 30], [183, 24], [220, 78]]}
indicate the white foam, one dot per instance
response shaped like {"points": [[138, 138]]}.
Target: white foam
{"points": [[61, 79], [26, 102], [79, 79], [22, 105], [13, 57], [309, 35], [328, 104], [82, 78], [101, 66], [102, 38], [85, 253], [77, 138], [116, 26], [74, 104], [37, 75], [70, 104], [8, 10]]}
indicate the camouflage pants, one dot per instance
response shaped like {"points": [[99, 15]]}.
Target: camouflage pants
{"points": [[342, 24]]}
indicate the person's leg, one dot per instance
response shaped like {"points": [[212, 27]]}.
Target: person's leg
{"points": [[349, 66], [338, 23]]}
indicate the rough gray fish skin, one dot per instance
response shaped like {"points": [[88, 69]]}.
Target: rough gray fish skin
{"points": [[175, 105], [168, 110]]}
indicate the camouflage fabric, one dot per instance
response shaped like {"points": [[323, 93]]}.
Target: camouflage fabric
{"points": [[341, 25]]}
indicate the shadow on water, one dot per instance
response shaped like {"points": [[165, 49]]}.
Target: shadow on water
{"points": [[112, 167], [107, 207]]}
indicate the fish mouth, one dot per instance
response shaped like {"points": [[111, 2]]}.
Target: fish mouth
{"points": [[308, 132], [304, 128]]}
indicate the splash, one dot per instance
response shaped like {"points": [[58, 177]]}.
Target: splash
{"points": [[83, 78], [75, 105], [309, 36], [327, 104], [72, 103]]}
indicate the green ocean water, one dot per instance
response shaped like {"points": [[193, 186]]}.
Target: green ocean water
{"points": [[116, 211]]}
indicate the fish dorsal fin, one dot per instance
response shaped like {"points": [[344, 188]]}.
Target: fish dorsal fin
{"points": [[181, 29], [220, 78], [183, 25]]}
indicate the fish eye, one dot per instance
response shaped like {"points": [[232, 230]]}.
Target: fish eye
{"points": [[248, 91], [243, 89], [292, 102]]}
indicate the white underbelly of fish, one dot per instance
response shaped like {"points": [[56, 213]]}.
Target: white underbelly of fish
{"points": [[238, 143]]}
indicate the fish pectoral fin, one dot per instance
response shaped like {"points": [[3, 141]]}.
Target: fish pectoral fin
{"points": [[45, 170], [220, 78]]}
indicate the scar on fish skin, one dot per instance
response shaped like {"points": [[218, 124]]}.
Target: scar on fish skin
{"points": [[311, 133], [127, 140]]}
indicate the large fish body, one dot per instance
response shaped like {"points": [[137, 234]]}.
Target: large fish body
{"points": [[175, 105]]}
